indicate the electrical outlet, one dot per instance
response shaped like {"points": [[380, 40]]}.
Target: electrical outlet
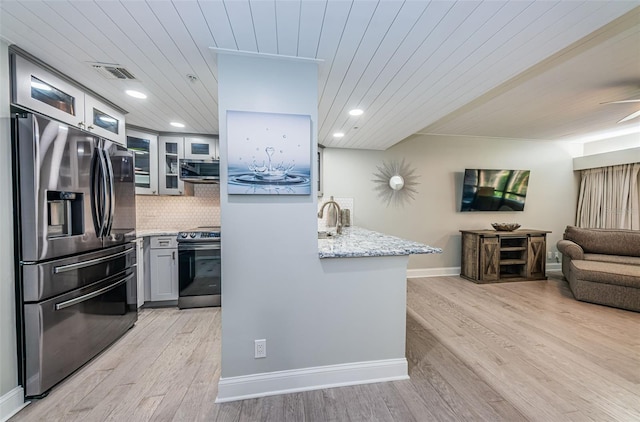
{"points": [[549, 255], [260, 348]]}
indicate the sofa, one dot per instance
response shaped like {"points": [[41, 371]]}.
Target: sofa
{"points": [[602, 266]]}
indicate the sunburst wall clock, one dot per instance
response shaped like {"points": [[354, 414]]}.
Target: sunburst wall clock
{"points": [[395, 182]]}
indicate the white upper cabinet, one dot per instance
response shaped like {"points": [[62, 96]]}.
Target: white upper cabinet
{"points": [[201, 148], [103, 120], [157, 160], [40, 90], [44, 92]]}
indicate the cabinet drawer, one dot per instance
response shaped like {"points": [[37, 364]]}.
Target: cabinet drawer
{"points": [[164, 242]]}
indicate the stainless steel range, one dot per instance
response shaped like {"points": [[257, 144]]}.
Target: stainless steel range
{"points": [[199, 268]]}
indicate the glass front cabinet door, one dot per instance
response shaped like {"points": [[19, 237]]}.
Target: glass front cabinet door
{"points": [[201, 148], [103, 120], [46, 93], [145, 158], [171, 149]]}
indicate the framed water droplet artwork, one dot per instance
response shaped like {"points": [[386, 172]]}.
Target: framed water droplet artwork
{"points": [[268, 153]]}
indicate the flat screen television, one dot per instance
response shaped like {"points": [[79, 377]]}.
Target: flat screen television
{"points": [[494, 190]]}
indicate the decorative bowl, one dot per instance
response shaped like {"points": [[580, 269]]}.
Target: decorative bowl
{"points": [[505, 227]]}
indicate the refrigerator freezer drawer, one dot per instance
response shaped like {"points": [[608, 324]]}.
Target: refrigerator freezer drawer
{"points": [[48, 279], [65, 332]]}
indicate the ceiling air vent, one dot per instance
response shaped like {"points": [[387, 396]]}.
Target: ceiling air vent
{"points": [[113, 71]]}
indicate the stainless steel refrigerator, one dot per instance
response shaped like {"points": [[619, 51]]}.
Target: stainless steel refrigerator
{"points": [[75, 220]]}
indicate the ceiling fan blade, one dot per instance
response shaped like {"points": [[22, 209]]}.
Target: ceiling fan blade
{"points": [[637, 100], [631, 116]]}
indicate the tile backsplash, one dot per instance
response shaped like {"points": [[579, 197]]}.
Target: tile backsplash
{"points": [[179, 212], [202, 209]]}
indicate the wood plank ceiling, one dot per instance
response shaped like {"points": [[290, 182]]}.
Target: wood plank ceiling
{"points": [[407, 64]]}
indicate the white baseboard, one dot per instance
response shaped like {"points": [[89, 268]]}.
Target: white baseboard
{"points": [[315, 378], [554, 266], [432, 272], [11, 403]]}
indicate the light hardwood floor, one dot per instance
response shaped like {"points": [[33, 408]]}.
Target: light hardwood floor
{"points": [[523, 351]]}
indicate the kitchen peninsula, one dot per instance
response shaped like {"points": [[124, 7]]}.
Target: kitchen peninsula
{"points": [[358, 242], [365, 292]]}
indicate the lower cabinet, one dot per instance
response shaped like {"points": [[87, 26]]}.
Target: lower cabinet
{"points": [[164, 268]]}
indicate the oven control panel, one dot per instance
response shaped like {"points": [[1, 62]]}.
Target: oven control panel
{"points": [[199, 236]]}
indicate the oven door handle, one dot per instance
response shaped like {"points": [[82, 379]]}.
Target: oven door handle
{"points": [[91, 295], [198, 246]]}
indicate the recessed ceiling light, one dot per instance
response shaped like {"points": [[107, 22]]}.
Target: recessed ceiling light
{"points": [[177, 124], [136, 94], [338, 135], [356, 112]]}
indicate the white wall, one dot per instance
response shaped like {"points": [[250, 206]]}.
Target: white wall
{"points": [[267, 240], [434, 217], [312, 312], [8, 358], [609, 152], [612, 144], [606, 159]]}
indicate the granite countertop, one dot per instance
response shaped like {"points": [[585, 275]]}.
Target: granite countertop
{"points": [[157, 232], [358, 242]]}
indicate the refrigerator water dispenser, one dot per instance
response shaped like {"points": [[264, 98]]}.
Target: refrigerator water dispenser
{"points": [[65, 214]]}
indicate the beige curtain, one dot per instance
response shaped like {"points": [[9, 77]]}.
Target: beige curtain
{"points": [[610, 197]]}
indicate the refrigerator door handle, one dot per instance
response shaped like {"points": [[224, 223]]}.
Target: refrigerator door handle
{"points": [[89, 263], [91, 295], [112, 195], [103, 193], [95, 202]]}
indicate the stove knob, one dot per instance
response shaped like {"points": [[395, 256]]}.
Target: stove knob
{"points": [[192, 235], [183, 235]]}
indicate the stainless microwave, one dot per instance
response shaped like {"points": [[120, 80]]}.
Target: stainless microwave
{"points": [[200, 171]]}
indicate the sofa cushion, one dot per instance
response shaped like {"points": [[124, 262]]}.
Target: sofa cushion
{"points": [[606, 294], [605, 241], [606, 272], [618, 259]]}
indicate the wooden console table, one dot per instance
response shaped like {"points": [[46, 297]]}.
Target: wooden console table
{"points": [[490, 256]]}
